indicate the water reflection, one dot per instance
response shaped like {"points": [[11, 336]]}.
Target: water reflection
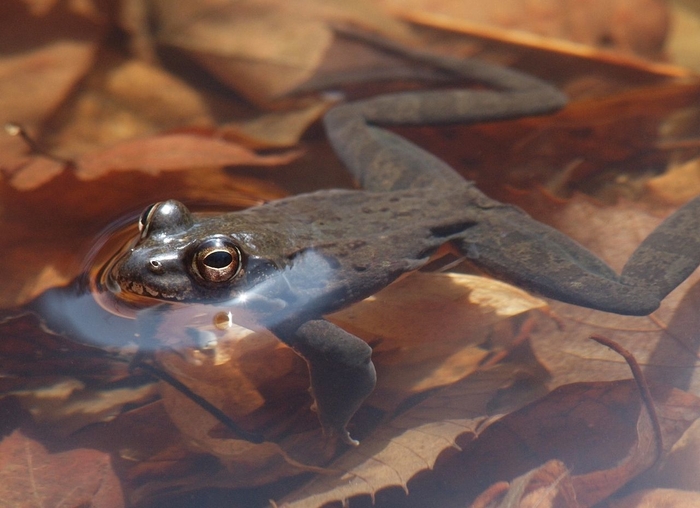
{"points": [[96, 312], [146, 332]]}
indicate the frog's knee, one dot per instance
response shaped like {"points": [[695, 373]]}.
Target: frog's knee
{"points": [[636, 302]]}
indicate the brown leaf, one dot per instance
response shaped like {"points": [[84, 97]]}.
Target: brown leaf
{"points": [[594, 23], [68, 405], [275, 130], [32, 356], [263, 48], [678, 185], [172, 152], [30, 172], [40, 7], [123, 99], [548, 486], [436, 336], [43, 59], [408, 444], [595, 429], [681, 468], [461, 310], [32, 476], [657, 498]]}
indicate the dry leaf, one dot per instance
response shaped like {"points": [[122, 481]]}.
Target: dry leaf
{"points": [[262, 386], [595, 429], [637, 26], [124, 99], [40, 7], [172, 152], [43, 59], [409, 444], [658, 498], [548, 486], [263, 48], [32, 476], [678, 185], [30, 172], [69, 405], [275, 130], [681, 468], [436, 336], [152, 155]]}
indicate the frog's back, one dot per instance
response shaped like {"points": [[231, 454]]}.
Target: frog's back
{"points": [[363, 240]]}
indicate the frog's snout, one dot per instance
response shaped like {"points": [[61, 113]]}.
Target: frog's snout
{"points": [[120, 277], [128, 274], [149, 272]]}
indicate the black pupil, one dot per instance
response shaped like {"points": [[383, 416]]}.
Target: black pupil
{"points": [[218, 259]]}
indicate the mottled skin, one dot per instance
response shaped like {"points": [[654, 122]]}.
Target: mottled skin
{"points": [[292, 261]]}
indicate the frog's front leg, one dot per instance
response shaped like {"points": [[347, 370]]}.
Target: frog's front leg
{"points": [[341, 370]]}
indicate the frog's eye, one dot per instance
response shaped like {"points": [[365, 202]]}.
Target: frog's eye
{"points": [[145, 218], [217, 260]]}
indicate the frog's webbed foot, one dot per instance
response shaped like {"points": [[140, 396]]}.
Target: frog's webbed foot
{"points": [[341, 370]]}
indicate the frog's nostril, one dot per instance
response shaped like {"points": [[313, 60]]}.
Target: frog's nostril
{"points": [[156, 266]]}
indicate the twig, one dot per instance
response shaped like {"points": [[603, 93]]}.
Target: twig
{"points": [[200, 401], [644, 391]]}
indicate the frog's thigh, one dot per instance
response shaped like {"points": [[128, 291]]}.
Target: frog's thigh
{"points": [[341, 370]]}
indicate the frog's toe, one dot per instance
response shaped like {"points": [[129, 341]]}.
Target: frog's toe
{"points": [[345, 438], [334, 435]]}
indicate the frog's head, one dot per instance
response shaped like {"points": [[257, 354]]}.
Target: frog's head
{"points": [[238, 260], [175, 259]]}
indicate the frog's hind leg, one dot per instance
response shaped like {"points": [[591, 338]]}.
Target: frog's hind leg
{"points": [[517, 248], [341, 371], [383, 161]]}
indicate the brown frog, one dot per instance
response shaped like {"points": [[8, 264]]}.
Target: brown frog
{"points": [[290, 262]]}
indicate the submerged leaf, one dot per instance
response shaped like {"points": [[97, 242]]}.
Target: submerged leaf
{"points": [[172, 152], [275, 130], [264, 48], [408, 444], [30, 475], [655, 498], [43, 58], [593, 23], [429, 329]]}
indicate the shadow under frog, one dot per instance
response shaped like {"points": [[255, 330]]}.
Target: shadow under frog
{"points": [[290, 262]]}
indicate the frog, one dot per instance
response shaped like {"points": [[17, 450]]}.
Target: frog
{"points": [[291, 262]]}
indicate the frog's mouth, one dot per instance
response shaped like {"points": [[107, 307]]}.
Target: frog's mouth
{"points": [[106, 283], [129, 289]]}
